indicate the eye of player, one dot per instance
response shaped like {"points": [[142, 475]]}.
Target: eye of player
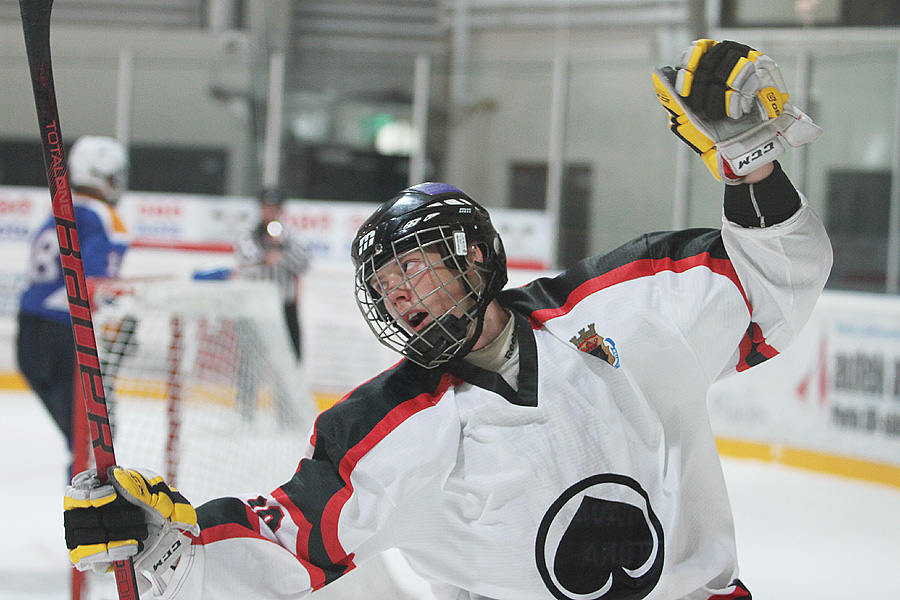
{"points": [[408, 266], [411, 265]]}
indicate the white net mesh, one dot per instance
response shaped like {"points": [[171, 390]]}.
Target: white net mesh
{"points": [[203, 388], [203, 384]]}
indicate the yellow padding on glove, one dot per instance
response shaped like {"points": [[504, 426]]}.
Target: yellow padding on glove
{"points": [[69, 503], [699, 49], [184, 513], [773, 100], [134, 482], [738, 67], [681, 126], [83, 551], [121, 544], [167, 501], [106, 550], [729, 98]]}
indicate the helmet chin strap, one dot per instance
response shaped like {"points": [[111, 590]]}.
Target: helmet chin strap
{"points": [[436, 339], [443, 333]]}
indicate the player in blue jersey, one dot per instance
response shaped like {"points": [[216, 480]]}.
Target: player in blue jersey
{"points": [[45, 347]]}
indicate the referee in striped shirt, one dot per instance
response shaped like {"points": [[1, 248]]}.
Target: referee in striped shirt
{"points": [[272, 252]]}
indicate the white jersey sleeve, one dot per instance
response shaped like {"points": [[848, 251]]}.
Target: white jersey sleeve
{"points": [[782, 270], [332, 514]]}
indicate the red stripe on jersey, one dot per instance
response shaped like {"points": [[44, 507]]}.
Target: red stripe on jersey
{"points": [[635, 270], [312, 438], [391, 421], [739, 592], [226, 531], [754, 349], [230, 531], [304, 527]]}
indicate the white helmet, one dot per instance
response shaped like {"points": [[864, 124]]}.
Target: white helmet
{"points": [[99, 163]]}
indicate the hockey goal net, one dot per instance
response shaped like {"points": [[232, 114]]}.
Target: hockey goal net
{"points": [[204, 389], [202, 383]]}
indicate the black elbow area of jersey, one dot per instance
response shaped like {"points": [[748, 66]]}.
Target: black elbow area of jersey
{"points": [[117, 521], [768, 202]]}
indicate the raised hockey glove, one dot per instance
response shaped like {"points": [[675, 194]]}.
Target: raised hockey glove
{"points": [[134, 515], [729, 103]]}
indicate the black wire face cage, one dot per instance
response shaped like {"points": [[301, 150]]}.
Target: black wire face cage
{"points": [[425, 296]]}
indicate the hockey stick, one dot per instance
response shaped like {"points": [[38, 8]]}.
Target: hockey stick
{"points": [[36, 26]]}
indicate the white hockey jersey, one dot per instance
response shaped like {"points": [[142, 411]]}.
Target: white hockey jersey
{"points": [[598, 478]]}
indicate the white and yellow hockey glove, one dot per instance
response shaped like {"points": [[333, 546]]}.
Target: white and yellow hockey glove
{"points": [[729, 103], [134, 515]]}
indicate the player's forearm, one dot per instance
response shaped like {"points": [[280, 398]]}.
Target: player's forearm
{"points": [[782, 267], [759, 174], [767, 197], [238, 568]]}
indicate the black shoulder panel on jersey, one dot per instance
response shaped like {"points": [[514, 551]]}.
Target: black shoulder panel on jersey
{"points": [[547, 293], [223, 511], [346, 423], [343, 434]]}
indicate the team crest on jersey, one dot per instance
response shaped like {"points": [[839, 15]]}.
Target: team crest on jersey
{"points": [[601, 540], [591, 342]]}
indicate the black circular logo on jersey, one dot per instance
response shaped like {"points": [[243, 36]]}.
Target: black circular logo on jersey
{"points": [[600, 539]]}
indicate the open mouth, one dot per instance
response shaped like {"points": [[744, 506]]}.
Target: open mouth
{"points": [[416, 319]]}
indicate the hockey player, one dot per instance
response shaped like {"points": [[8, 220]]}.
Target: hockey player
{"points": [[550, 441], [45, 348]]}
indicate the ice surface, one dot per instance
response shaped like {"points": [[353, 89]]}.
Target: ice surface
{"points": [[800, 535]]}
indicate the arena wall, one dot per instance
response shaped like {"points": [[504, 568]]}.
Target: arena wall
{"points": [[830, 402]]}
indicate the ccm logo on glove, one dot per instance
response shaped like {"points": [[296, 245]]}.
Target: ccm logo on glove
{"points": [[755, 155]]}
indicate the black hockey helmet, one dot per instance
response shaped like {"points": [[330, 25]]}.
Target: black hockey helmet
{"points": [[445, 225]]}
